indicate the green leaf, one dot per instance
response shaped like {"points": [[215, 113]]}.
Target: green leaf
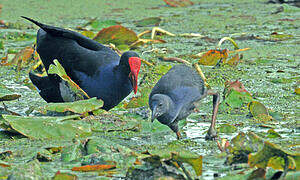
{"points": [[96, 24], [151, 21], [58, 69], [117, 35], [30, 170], [64, 176], [272, 155], [236, 99], [177, 153], [226, 128], [7, 94], [72, 152], [48, 127], [79, 107], [256, 108]]}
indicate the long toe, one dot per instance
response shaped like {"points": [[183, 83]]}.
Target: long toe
{"points": [[211, 135]]}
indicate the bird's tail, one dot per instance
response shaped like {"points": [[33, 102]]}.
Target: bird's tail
{"points": [[49, 29]]}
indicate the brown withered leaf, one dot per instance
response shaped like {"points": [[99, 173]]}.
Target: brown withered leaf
{"points": [[212, 57], [97, 167]]}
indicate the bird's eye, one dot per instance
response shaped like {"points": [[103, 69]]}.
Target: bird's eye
{"points": [[160, 104]]}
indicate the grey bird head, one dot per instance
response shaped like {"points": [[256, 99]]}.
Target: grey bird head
{"points": [[159, 105]]}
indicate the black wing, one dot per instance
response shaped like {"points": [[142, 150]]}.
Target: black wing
{"points": [[73, 50]]}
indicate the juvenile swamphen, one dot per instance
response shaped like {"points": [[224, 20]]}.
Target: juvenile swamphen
{"points": [[97, 69], [173, 97]]}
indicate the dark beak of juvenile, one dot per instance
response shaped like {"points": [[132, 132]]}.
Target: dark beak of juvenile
{"points": [[154, 114]]}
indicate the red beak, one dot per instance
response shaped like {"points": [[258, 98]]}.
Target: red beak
{"points": [[135, 64]]}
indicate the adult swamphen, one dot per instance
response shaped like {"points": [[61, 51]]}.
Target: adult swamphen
{"points": [[97, 69], [173, 97]]}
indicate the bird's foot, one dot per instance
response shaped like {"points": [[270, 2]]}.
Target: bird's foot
{"points": [[211, 134]]}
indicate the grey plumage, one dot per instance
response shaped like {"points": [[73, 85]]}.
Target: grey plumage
{"points": [[174, 95]]}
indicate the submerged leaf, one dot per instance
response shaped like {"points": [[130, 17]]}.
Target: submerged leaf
{"points": [[48, 127], [151, 21]]}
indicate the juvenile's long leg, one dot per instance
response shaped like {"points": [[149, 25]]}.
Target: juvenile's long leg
{"points": [[211, 134]]}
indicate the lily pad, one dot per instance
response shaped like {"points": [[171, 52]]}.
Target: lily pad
{"points": [[272, 155], [58, 69], [79, 107], [48, 127], [72, 152], [236, 99], [256, 108], [226, 128], [7, 95], [151, 21], [180, 154], [30, 170], [117, 35], [64, 176], [96, 24], [212, 57]]}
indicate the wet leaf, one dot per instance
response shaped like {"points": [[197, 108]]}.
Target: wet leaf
{"points": [[273, 134], [178, 3], [180, 154], [195, 162], [117, 35], [72, 152], [7, 94], [272, 155], [139, 101], [89, 34], [297, 91], [234, 85], [79, 107], [96, 24], [236, 99], [256, 108], [58, 69], [241, 146], [97, 167], [234, 60], [226, 128], [280, 37], [5, 154], [212, 57], [29, 170], [64, 176], [23, 57], [259, 173], [44, 127], [4, 164], [1, 45], [151, 21]]}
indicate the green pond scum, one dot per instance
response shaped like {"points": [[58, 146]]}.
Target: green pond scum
{"points": [[258, 120]]}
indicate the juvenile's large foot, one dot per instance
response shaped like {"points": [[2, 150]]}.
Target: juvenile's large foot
{"points": [[211, 134]]}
